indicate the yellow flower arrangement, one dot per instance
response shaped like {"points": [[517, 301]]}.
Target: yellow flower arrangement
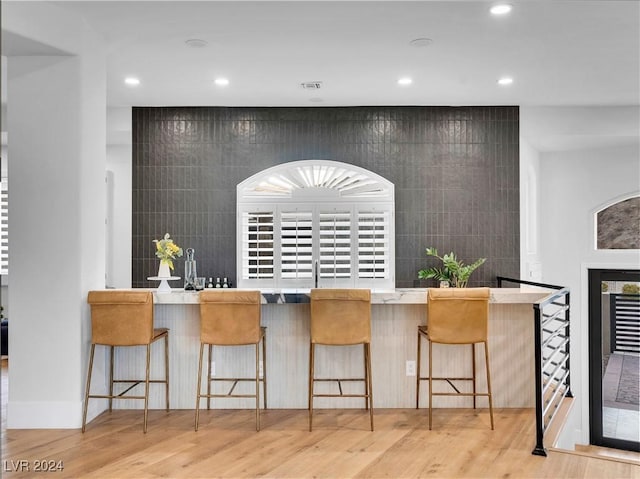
{"points": [[167, 250]]}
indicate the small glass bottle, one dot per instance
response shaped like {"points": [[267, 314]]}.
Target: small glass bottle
{"points": [[225, 284], [210, 283], [218, 284]]}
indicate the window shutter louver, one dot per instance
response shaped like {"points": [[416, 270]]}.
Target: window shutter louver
{"points": [[373, 244], [335, 245], [4, 227], [296, 250], [257, 245]]}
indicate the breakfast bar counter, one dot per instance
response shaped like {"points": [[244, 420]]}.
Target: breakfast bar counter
{"points": [[395, 316], [395, 296]]}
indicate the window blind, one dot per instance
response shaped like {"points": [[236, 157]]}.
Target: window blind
{"points": [[257, 245], [4, 226], [335, 244], [373, 244], [296, 244]]}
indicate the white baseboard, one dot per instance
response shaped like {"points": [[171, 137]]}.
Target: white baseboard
{"points": [[50, 414]]}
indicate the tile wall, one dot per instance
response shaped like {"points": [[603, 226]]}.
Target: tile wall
{"points": [[455, 171]]}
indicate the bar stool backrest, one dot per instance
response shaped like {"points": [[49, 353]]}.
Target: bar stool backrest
{"points": [[121, 318], [340, 316], [458, 315], [230, 317]]}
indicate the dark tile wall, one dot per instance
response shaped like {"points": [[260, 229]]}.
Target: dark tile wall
{"points": [[455, 171]]}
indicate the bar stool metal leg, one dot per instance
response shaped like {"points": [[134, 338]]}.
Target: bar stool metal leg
{"points": [[369, 382], [473, 365], [166, 370], [146, 389], [366, 376], [111, 360], [264, 369], [257, 386], [210, 357], [199, 391], [86, 394], [311, 379], [430, 382], [486, 358], [418, 373]]}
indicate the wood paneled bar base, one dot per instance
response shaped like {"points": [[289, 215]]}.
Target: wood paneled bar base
{"points": [[396, 315]]}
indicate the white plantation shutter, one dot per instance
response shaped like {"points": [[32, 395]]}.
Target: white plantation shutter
{"points": [[335, 244], [257, 245], [296, 250], [316, 222], [373, 244], [4, 226]]}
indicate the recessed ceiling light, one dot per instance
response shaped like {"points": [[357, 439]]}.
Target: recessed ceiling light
{"points": [[196, 42], [500, 9], [505, 81], [132, 81], [405, 81], [221, 81], [421, 42]]}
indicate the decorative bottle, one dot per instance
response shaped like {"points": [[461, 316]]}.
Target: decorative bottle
{"points": [[190, 271]]}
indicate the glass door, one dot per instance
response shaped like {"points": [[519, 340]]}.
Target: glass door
{"points": [[614, 358]]}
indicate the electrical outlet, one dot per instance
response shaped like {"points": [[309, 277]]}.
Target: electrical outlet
{"points": [[213, 368], [260, 370], [411, 368]]}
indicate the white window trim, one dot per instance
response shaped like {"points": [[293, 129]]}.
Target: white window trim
{"points": [[336, 186], [4, 226]]}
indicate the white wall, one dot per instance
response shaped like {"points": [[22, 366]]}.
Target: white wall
{"points": [[4, 293], [573, 186], [56, 114], [530, 266], [119, 164], [566, 128]]}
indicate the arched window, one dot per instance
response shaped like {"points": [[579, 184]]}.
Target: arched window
{"points": [[315, 223], [618, 225]]}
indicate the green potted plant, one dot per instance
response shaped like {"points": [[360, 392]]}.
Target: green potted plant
{"points": [[454, 271]]}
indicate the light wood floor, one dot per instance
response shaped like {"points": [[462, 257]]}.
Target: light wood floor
{"points": [[341, 446]]}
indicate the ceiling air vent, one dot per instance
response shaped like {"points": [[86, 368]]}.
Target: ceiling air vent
{"points": [[311, 85]]}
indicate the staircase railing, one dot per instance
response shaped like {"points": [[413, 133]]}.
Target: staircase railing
{"points": [[552, 355]]}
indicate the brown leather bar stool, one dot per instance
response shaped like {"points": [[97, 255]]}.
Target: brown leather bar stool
{"points": [[124, 318], [456, 316], [341, 317], [231, 318]]}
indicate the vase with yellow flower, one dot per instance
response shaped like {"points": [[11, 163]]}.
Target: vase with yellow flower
{"points": [[167, 251]]}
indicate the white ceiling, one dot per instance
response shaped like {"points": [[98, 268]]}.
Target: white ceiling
{"points": [[560, 53]]}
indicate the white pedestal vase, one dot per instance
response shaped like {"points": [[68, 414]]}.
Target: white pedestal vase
{"points": [[163, 270], [164, 275]]}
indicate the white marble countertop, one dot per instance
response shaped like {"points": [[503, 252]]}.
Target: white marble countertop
{"points": [[526, 295]]}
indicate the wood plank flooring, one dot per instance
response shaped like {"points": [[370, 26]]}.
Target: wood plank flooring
{"points": [[461, 444]]}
